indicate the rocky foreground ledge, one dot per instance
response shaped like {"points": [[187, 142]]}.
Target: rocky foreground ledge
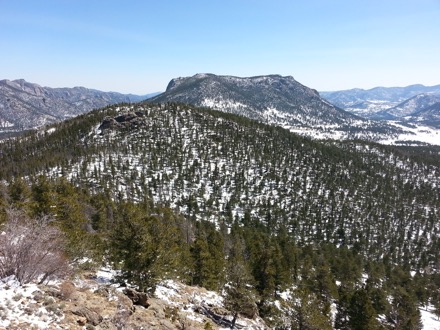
{"points": [[92, 302]]}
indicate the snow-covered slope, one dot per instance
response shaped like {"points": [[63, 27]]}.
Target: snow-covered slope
{"points": [[218, 167]]}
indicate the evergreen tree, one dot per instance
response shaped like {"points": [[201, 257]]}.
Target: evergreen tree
{"points": [[342, 308], [240, 296], [404, 313], [42, 195], [208, 260], [437, 310], [362, 315], [144, 247], [20, 194], [307, 312]]}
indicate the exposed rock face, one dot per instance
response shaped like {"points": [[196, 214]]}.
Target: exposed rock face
{"points": [[250, 311], [128, 120], [90, 303]]}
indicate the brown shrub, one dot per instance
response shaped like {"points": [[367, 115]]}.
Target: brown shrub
{"points": [[31, 249]]}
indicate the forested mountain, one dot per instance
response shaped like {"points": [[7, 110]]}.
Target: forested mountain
{"points": [[265, 98], [223, 168], [412, 110], [241, 202], [25, 105]]}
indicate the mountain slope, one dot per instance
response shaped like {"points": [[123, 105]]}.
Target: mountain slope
{"points": [[429, 115], [265, 98], [26, 105], [415, 104], [225, 168]]}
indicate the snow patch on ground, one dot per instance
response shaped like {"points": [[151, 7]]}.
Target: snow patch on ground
{"points": [[417, 133], [188, 299], [18, 307], [429, 320], [222, 104]]}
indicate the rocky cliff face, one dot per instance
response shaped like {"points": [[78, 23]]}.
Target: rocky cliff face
{"points": [[25, 105]]}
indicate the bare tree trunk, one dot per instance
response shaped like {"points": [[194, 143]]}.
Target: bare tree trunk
{"points": [[233, 320]]}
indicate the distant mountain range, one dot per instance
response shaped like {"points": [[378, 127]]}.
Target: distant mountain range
{"points": [[25, 105], [386, 103], [412, 109]]}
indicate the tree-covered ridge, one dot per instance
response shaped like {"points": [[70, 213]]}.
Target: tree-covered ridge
{"points": [[224, 168]]}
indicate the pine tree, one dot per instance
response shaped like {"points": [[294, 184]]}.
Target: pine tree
{"points": [[42, 195], [19, 193], [143, 246], [362, 315], [307, 312], [437, 310], [404, 313], [208, 260], [342, 308], [240, 296]]}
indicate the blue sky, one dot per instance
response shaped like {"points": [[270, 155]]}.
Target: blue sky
{"points": [[138, 46]]}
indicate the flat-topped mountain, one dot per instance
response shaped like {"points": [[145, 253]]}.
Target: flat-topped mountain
{"points": [[26, 105], [272, 99]]}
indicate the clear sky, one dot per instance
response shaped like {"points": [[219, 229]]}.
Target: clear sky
{"points": [[138, 46]]}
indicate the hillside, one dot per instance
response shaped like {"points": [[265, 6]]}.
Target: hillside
{"points": [[279, 225], [429, 114], [25, 105], [219, 167]]}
